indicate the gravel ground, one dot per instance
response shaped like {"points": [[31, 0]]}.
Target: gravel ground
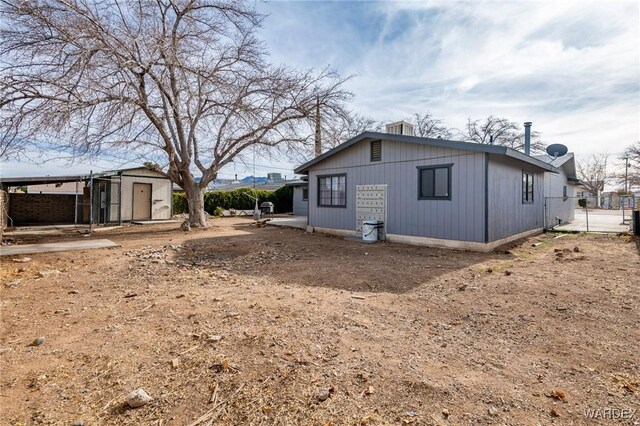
{"points": [[238, 325]]}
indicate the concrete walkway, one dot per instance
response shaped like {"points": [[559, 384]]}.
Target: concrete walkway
{"points": [[609, 221], [299, 222], [51, 247]]}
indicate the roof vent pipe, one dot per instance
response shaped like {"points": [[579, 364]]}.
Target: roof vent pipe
{"points": [[317, 148], [527, 138]]}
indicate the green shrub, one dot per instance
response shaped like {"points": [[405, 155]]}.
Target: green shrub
{"points": [[218, 211], [582, 202], [282, 199], [216, 201], [180, 203]]}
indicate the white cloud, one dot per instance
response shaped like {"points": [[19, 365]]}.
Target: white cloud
{"points": [[571, 67]]}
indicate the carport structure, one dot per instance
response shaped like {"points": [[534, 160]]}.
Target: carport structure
{"points": [[110, 197], [48, 208]]}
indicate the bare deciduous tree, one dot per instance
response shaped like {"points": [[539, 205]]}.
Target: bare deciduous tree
{"points": [[187, 79], [501, 131], [426, 126], [593, 173], [629, 177], [336, 127], [342, 128]]}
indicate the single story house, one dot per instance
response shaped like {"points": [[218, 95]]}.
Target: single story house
{"points": [[428, 191], [116, 196]]}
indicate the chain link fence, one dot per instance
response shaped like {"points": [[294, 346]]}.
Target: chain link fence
{"points": [[611, 213]]}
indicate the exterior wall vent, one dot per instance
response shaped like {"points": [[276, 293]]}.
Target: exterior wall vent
{"points": [[400, 128], [376, 150]]}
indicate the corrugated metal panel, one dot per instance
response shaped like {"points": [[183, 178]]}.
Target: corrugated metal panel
{"points": [[461, 218], [507, 215]]}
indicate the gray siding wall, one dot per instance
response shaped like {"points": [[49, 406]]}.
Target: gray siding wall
{"points": [[300, 206], [556, 206], [461, 218], [507, 215]]}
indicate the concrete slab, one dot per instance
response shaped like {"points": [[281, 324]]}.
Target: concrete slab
{"points": [[52, 247], [607, 221], [299, 222], [154, 222], [360, 240], [49, 230]]}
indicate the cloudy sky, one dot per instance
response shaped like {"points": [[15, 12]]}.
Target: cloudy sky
{"points": [[572, 68]]}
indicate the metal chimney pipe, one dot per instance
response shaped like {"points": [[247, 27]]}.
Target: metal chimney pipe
{"points": [[318, 142], [527, 138]]}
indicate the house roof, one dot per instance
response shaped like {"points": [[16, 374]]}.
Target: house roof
{"points": [[443, 143], [566, 161], [555, 161], [297, 182]]}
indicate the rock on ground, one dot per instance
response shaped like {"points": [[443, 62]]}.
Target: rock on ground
{"points": [[138, 398]]}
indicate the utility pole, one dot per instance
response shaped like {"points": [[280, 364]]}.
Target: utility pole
{"points": [[626, 174]]}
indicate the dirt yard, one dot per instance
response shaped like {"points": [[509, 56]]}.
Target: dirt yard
{"points": [[238, 325]]}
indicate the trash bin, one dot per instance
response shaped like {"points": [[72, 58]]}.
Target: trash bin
{"points": [[636, 222], [370, 230]]}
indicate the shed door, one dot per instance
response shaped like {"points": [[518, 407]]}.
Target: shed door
{"points": [[141, 201], [371, 204]]}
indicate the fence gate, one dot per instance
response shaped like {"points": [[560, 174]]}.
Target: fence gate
{"points": [[371, 204], [589, 214]]}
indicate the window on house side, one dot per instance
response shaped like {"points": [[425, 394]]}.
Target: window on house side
{"points": [[332, 191], [305, 194], [376, 150], [527, 188], [434, 182]]}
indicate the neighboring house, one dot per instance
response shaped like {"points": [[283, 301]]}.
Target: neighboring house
{"points": [[118, 196], [427, 191], [560, 189], [300, 197]]}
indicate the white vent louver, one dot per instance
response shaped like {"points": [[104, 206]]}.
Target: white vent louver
{"points": [[400, 128]]}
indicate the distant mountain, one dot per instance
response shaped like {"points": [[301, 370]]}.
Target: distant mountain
{"points": [[249, 179]]}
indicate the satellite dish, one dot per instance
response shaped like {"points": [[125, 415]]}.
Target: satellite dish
{"points": [[556, 150]]}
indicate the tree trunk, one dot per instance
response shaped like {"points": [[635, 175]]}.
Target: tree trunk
{"points": [[195, 201]]}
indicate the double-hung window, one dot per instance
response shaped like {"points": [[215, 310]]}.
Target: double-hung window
{"points": [[434, 182], [332, 191], [527, 188]]}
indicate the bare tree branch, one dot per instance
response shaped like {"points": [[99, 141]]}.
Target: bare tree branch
{"points": [[187, 77], [500, 131], [593, 173]]}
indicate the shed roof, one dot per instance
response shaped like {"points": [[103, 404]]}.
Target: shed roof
{"points": [[41, 180], [443, 143]]}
